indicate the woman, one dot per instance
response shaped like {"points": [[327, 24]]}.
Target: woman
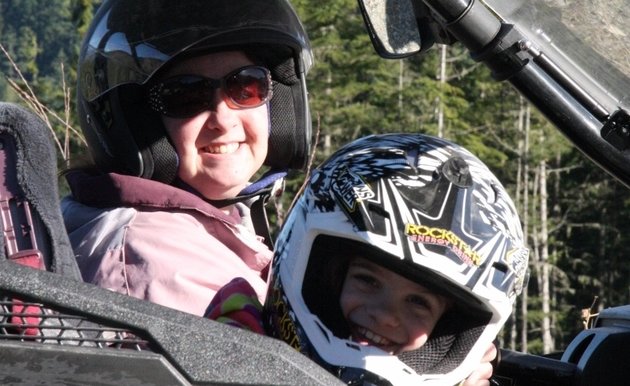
{"points": [[181, 104]]}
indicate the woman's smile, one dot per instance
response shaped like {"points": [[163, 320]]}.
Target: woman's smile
{"points": [[223, 148]]}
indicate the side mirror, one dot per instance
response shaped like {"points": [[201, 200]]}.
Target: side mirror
{"points": [[392, 27], [402, 28]]}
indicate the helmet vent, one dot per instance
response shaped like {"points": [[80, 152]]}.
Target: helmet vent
{"points": [[323, 330], [497, 192], [456, 170], [353, 346], [500, 267]]}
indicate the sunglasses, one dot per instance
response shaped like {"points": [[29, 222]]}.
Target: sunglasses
{"points": [[184, 96]]}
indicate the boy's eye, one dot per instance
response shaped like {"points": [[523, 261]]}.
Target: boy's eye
{"points": [[419, 301], [366, 280], [427, 305]]}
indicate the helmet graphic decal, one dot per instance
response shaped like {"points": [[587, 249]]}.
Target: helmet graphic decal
{"points": [[443, 237], [284, 324], [350, 189]]}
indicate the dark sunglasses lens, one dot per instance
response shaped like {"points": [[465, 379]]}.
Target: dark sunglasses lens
{"points": [[250, 87], [186, 96]]}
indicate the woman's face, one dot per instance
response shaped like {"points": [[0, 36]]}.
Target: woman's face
{"points": [[386, 310], [222, 148]]}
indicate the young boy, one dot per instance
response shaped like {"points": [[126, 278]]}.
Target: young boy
{"points": [[399, 263]]}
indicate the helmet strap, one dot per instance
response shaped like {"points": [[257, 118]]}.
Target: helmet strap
{"points": [[271, 184]]}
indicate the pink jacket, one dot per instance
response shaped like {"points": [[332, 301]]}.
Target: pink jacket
{"points": [[157, 242]]}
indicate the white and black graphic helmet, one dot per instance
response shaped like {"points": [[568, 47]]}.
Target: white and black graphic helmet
{"points": [[428, 210], [130, 41]]}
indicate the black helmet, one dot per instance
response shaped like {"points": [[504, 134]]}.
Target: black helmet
{"points": [[129, 41]]}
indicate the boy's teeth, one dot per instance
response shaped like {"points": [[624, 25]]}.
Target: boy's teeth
{"points": [[374, 337]]}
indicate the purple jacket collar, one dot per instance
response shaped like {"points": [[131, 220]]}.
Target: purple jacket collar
{"points": [[113, 190]]}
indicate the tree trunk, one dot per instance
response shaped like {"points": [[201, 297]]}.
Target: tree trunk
{"points": [[547, 338], [520, 124], [327, 135], [401, 72], [525, 216], [440, 101]]}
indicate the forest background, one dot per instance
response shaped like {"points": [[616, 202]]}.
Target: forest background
{"points": [[574, 215]]}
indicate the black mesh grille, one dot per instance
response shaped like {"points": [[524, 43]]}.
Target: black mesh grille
{"points": [[449, 344], [282, 139], [433, 353], [34, 322]]}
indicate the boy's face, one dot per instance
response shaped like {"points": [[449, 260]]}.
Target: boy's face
{"points": [[386, 310]]}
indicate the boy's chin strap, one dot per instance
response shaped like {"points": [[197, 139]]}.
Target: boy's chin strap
{"points": [[256, 195]]}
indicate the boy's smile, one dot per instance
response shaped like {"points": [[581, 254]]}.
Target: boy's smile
{"points": [[365, 337], [386, 310]]}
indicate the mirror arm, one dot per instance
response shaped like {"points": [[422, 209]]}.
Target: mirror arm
{"points": [[469, 21]]}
